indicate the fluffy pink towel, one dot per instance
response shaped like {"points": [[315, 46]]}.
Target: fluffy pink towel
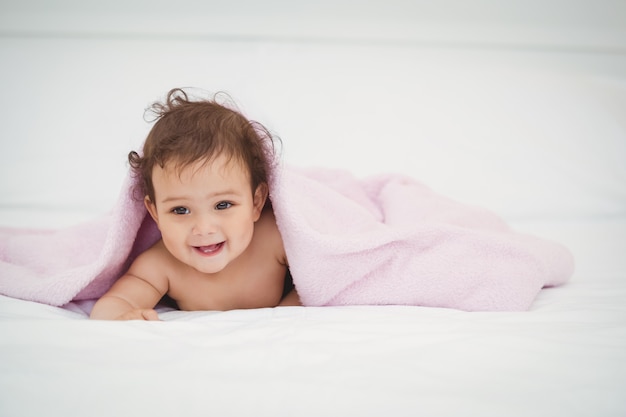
{"points": [[382, 240], [77, 263]]}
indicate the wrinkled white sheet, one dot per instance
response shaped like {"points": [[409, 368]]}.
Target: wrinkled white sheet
{"points": [[565, 357]]}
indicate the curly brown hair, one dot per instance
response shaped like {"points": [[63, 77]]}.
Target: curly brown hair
{"points": [[188, 130]]}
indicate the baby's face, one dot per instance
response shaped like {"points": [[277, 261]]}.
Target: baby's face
{"points": [[206, 212]]}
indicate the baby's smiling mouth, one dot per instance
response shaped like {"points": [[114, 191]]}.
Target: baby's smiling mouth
{"points": [[209, 249]]}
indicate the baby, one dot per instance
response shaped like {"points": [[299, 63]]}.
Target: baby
{"points": [[204, 173]]}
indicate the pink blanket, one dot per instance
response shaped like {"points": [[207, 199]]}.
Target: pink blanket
{"points": [[382, 240]]}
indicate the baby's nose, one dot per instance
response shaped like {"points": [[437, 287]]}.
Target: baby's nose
{"points": [[205, 225]]}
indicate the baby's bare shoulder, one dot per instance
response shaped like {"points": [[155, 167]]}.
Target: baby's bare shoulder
{"points": [[153, 262], [267, 233], [267, 223]]}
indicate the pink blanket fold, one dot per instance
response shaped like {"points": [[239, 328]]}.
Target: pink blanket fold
{"points": [[381, 240]]}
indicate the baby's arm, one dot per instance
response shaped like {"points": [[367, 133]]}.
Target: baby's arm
{"points": [[135, 294]]}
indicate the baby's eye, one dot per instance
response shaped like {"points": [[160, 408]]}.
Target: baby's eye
{"points": [[223, 205], [180, 210]]}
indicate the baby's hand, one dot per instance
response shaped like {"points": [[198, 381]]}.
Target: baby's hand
{"points": [[139, 314]]}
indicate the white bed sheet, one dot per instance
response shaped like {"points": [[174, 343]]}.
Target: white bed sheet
{"points": [[567, 357], [564, 357]]}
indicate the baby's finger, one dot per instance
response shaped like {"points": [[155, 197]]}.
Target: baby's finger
{"points": [[150, 315]]}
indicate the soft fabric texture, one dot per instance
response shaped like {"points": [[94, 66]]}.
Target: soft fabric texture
{"points": [[375, 241]]}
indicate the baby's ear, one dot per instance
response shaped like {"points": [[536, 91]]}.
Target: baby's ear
{"points": [[151, 209], [260, 196]]}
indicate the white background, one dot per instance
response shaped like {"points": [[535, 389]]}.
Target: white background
{"points": [[516, 106]]}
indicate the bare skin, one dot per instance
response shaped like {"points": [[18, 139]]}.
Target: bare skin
{"points": [[235, 287], [229, 256]]}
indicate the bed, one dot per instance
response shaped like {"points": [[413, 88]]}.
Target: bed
{"points": [[498, 108]]}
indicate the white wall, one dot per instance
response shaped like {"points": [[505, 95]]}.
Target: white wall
{"points": [[526, 23], [516, 107]]}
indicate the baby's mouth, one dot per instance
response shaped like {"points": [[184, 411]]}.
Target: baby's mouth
{"points": [[209, 249]]}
